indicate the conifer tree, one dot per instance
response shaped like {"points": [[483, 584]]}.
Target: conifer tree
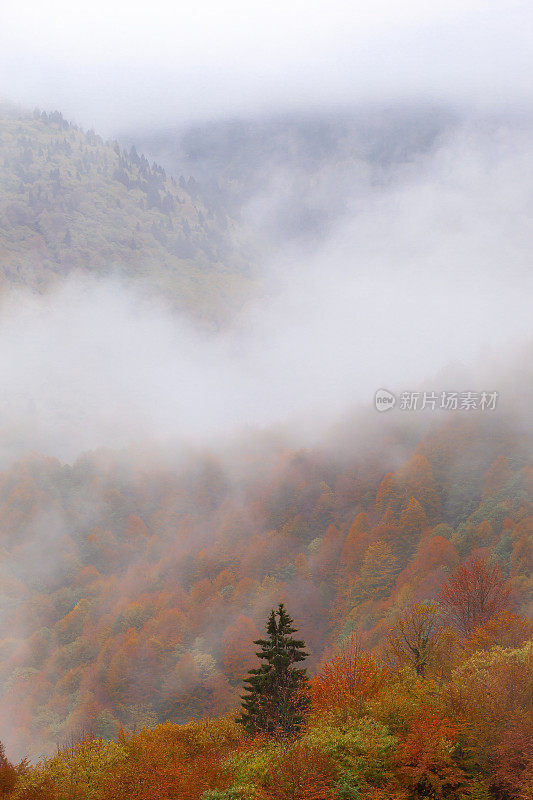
{"points": [[276, 695]]}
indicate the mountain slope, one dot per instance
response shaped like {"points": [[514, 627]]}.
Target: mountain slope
{"points": [[70, 203], [292, 177], [132, 588]]}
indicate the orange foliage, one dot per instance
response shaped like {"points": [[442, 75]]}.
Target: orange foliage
{"points": [[239, 650], [412, 522], [355, 544], [347, 678], [390, 494], [419, 481], [170, 763], [506, 630], [426, 757], [160, 777], [177, 565], [434, 555]]}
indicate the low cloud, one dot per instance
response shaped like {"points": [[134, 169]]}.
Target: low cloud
{"points": [[430, 268]]}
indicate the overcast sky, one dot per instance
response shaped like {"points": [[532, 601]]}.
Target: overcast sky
{"points": [[116, 63]]}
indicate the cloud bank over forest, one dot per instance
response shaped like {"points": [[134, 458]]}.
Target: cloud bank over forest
{"points": [[430, 268]]}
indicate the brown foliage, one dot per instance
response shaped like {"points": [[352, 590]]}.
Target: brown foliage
{"points": [[416, 637]]}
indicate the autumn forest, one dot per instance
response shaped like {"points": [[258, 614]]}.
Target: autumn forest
{"points": [[265, 434], [411, 588]]}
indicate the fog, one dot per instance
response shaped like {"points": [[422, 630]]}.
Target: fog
{"points": [[107, 65], [428, 269]]}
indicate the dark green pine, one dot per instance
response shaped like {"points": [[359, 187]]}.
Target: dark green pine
{"points": [[276, 697]]}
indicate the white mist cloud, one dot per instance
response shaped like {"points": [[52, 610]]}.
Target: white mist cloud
{"points": [[432, 267], [110, 64]]}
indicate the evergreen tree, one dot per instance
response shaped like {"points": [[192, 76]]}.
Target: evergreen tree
{"points": [[276, 695]]}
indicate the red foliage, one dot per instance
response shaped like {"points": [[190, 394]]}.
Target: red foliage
{"points": [[156, 565], [512, 765], [475, 592]]}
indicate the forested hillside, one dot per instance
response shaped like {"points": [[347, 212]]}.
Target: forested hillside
{"points": [[71, 203], [133, 585], [292, 177], [374, 731]]}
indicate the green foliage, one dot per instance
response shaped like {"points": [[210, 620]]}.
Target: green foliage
{"points": [[362, 748], [349, 788], [234, 793], [501, 555], [482, 754], [514, 492], [490, 510], [460, 501], [478, 789], [251, 765], [406, 694], [443, 529], [134, 616], [106, 725]]}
